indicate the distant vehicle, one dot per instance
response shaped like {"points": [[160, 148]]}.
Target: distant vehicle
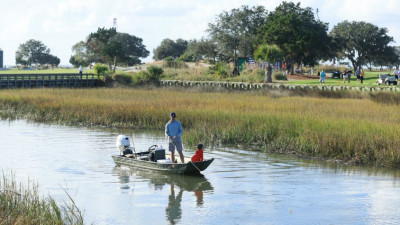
{"points": [[386, 79], [336, 74]]}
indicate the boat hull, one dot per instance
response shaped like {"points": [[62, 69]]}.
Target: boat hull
{"points": [[178, 168]]}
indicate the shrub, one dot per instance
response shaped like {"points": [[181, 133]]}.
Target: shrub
{"points": [[280, 76], [122, 78], [100, 69], [139, 78], [172, 63], [220, 69], [169, 61], [154, 74], [108, 80], [185, 57]]}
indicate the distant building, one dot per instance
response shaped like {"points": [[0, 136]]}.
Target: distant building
{"points": [[1, 58]]}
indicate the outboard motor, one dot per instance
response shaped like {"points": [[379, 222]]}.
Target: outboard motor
{"points": [[123, 143]]}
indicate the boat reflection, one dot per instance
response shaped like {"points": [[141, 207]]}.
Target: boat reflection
{"points": [[178, 185]]}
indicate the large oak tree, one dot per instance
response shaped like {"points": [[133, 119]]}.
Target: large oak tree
{"points": [[170, 48], [236, 31], [35, 52], [302, 38], [109, 46], [361, 42]]}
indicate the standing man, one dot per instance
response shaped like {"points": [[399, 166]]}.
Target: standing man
{"points": [[362, 75], [358, 72], [174, 130], [349, 76], [322, 79], [396, 74], [80, 72]]}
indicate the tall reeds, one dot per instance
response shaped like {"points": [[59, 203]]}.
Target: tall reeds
{"points": [[21, 204], [353, 127]]}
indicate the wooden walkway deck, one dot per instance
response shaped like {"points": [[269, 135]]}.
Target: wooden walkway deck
{"points": [[46, 80]]}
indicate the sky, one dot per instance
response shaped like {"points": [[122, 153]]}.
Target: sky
{"points": [[60, 24]]}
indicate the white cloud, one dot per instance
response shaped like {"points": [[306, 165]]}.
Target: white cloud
{"points": [[61, 24]]}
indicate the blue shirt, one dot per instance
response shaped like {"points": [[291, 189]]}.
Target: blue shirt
{"points": [[174, 129]]}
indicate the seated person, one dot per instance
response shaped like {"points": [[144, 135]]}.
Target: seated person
{"points": [[198, 157]]}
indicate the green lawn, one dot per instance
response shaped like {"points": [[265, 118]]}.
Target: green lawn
{"points": [[369, 80]]}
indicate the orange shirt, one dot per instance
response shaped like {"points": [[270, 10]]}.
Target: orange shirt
{"points": [[198, 157]]}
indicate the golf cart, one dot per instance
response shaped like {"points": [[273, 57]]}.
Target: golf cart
{"points": [[336, 74], [386, 79]]}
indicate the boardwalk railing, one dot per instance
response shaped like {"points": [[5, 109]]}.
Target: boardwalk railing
{"points": [[46, 80]]}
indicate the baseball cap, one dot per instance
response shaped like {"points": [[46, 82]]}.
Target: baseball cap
{"points": [[172, 114]]}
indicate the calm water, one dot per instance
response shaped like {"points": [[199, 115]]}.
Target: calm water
{"points": [[240, 187]]}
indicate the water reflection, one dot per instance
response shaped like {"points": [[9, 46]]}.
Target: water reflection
{"points": [[177, 184], [173, 210]]}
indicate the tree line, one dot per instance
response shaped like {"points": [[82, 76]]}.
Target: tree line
{"points": [[103, 46], [289, 33]]}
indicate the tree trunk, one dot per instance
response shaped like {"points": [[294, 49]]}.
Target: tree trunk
{"points": [[115, 63], [268, 73], [354, 63], [370, 66]]}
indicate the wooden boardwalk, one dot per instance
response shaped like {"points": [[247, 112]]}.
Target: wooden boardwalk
{"points": [[47, 80]]}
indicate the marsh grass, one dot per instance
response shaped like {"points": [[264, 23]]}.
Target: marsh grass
{"points": [[350, 126], [21, 204]]}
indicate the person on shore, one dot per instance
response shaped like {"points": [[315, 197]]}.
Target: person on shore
{"points": [[362, 75], [284, 69], [358, 72], [312, 71], [198, 156], [80, 70], [322, 75], [289, 69], [348, 76], [174, 130], [396, 74]]}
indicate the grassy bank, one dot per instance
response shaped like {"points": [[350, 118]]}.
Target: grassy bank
{"points": [[357, 127], [21, 204]]}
